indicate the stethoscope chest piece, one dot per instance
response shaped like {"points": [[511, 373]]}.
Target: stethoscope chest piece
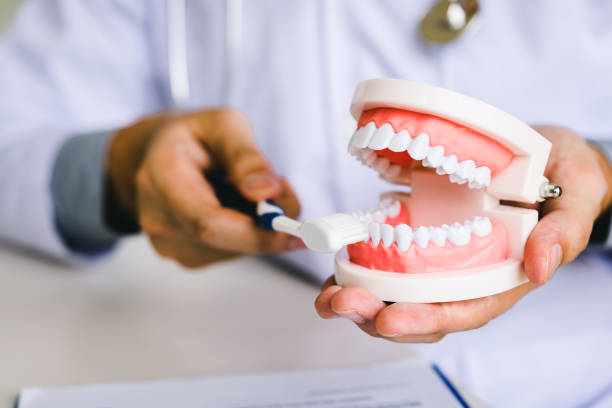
{"points": [[447, 20]]}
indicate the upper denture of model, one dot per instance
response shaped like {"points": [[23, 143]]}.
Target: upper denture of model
{"points": [[390, 141]]}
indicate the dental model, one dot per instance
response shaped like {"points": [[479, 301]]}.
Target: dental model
{"points": [[449, 238]]}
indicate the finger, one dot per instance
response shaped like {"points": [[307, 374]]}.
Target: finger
{"points": [[193, 204], [153, 215], [173, 174], [426, 319], [431, 338], [188, 254], [356, 303], [231, 230], [323, 301], [329, 306], [331, 281], [287, 200], [230, 140], [565, 229], [560, 235]]}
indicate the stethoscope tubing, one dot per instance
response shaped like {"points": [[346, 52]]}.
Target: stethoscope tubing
{"points": [[178, 62]]}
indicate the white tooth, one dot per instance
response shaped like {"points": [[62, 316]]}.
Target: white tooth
{"points": [[400, 141], [393, 171], [459, 234], [435, 156], [455, 178], [368, 156], [394, 209], [379, 216], [403, 236], [481, 226], [474, 184], [386, 232], [465, 169], [419, 147], [363, 135], [482, 175], [421, 236], [438, 236], [353, 141], [381, 165], [449, 164], [381, 137], [440, 171], [374, 229], [385, 202]]}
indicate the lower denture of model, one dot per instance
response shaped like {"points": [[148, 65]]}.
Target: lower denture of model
{"points": [[390, 141]]}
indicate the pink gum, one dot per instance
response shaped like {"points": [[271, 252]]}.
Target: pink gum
{"points": [[492, 248], [457, 140]]}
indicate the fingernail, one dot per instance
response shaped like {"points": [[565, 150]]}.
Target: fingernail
{"points": [[296, 243], [352, 316], [554, 260], [260, 181]]}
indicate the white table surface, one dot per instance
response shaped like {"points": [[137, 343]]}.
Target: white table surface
{"points": [[136, 317]]}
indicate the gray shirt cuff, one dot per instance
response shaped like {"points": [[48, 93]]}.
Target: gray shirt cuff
{"points": [[78, 192], [601, 235]]}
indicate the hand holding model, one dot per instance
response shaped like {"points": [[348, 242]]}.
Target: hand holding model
{"points": [[561, 234], [156, 170]]}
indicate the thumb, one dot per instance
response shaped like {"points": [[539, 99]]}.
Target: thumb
{"points": [[559, 236], [229, 138], [548, 244], [258, 185]]}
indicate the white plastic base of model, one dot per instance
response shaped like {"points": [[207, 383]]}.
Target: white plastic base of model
{"points": [[446, 286]]}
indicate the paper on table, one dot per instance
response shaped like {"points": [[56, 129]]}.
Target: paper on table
{"points": [[398, 384]]}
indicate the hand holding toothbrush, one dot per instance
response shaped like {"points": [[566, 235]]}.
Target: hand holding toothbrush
{"points": [[160, 174]]}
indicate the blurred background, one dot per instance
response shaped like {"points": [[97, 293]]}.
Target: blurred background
{"points": [[7, 7]]}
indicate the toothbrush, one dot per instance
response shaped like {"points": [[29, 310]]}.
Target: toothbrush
{"points": [[325, 234]]}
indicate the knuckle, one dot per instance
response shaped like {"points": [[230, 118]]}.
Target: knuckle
{"points": [[142, 179], [191, 264], [223, 121], [264, 247], [229, 117], [162, 249], [483, 323], [174, 126], [148, 224], [164, 252], [443, 319], [204, 230]]}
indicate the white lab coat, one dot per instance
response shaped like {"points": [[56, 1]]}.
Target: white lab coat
{"points": [[68, 67]]}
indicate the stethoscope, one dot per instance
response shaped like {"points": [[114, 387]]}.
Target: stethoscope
{"points": [[443, 23], [178, 68]]}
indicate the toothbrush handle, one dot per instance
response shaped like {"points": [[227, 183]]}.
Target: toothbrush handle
{"points": [[273, 218]]}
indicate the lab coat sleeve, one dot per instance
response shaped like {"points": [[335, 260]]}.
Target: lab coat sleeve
{"points": [[67, 68]]}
